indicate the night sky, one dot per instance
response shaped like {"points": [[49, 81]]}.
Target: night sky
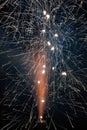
{"points": [[57, 30]]}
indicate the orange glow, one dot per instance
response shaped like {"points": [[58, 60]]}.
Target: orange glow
{"points": [[41, 78]]}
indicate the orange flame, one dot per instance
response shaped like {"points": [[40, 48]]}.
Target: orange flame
{"points": [[41, 80]]}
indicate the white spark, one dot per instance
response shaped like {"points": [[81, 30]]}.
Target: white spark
{"points": [[53, 68], [38, 81], [52, 48], [43, 71], [42, 100], [44, 12], [64, 74], [47, 16], [48, 43], [55, 35], [44, 66], [43, 31], [41, 117]]}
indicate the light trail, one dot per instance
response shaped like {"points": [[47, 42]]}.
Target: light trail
{"points": [[41, 84]]}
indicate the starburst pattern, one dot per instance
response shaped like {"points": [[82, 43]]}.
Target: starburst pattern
{"points": [[56, 29]]}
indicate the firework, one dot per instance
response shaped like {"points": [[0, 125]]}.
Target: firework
{"points": [[43, 62]]}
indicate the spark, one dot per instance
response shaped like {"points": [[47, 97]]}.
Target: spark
{"points": [[43, 71], [64, 74], [53, 68], [38, 81], [55, 35], [42, 100], [48, 43], [52, 48], [41, 117], [43, 31], [44, 66], [44, 12], [47, 16]]}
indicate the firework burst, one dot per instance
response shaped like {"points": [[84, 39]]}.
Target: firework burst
{"points": [[43, 62]]}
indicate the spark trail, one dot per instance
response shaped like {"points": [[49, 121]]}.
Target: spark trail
{"points": [[41, 82]]}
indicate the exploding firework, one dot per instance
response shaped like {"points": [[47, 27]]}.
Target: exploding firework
{"points": [[43, 63]]}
